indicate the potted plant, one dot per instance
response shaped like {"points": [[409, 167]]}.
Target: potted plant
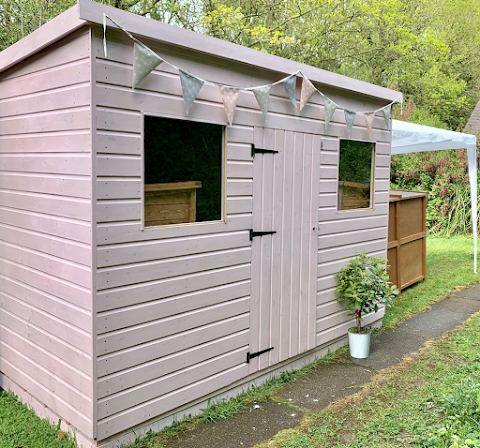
{"points": [[363, 284]]}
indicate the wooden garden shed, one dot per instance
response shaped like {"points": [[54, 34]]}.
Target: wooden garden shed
{"points": [[152, 259]]}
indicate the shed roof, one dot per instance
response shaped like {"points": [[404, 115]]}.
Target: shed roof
{"points": [[473, 125], [87, 11]]}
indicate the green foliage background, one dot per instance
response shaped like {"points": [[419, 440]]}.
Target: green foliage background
{"points": [[444, 175], [355, 163]]}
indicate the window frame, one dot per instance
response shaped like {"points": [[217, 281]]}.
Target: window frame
{"points": [[221, 221], [372, 182]]}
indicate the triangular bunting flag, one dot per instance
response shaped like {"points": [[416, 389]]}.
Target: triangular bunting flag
{"points": [[330, 107], [230, 98], [262, 94], [387, 114], [349, 119], [308, 89], [290, 85], [144, 61], [191, 85], [369, 120]]}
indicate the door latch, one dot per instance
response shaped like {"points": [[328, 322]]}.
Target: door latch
{"points": [[254, 234], [262, 151]]}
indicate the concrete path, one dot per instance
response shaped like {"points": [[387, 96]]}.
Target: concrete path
{"points": [[331, 382]]}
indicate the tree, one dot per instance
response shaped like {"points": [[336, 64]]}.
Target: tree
{"points": [[19, 18]]}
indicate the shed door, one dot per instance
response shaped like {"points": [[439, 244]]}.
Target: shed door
{"points": [[284, 264]]}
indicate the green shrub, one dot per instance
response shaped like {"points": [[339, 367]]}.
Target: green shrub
{"points": [[444, 175], [364, 284]]}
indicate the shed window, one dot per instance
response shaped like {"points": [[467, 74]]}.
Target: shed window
{"points": [[183, 171], [355, 174]]}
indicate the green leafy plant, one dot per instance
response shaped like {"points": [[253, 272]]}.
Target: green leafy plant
{"points": [[461, 410], [364, 284], [444, 175]]}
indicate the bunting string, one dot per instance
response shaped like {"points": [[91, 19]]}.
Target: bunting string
{"points": [[145, 60]]}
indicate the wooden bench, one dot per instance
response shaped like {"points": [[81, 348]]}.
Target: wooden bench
{"points": [[171, 203], [353, 195]]}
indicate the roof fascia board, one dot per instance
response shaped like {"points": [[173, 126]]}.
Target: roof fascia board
{"points": [[52, 31], [159, 31]]}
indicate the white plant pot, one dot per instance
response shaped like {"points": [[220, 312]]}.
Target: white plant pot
{"points": [[359, 344]]}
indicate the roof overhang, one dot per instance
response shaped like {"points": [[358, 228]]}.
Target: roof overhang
{"points": [[90, 12], [60, 26]]}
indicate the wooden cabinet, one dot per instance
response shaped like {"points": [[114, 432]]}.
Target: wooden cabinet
{"points": [[407, 237], [170, 203], [353, 195]]}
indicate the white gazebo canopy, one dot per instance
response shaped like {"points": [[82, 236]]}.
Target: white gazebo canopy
{"points": [[410, 137]]}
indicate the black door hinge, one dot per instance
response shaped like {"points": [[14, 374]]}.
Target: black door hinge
{"points": [[254, 234], [254, 355], [262, 151]]}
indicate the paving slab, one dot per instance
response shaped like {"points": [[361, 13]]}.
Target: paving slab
{"points": [[256, 425], [327, 383], [435, 322], [472, 293], [458, 305], [388, 348]]}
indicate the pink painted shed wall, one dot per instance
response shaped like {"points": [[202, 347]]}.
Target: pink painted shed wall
{"points": [[175, 311], [45, 228], [111, 325]]}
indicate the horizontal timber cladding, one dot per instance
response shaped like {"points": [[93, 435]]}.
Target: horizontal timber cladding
{"points": [[73, 273], [158, 367], [173, 303], [46, 230], [155, 270], [343, 235], [159, 328], [121, 254], [216, 380], [67, 207], [47, 142], [73, 164]]}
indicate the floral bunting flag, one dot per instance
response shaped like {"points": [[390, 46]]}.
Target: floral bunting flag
{"points": [[191, 85], [308, 89], [230, 98], [144, 61], [290, 85], [330, 107], [369, 120], [387, 114], [349, 119], [262, 94]]}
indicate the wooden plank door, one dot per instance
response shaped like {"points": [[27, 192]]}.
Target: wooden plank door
{"points": [[284, 264]]}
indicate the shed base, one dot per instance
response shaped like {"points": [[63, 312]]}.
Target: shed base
{"points": [[193, 408]]}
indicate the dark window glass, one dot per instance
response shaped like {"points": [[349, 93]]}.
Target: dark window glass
{"points": [[183, 171], [355, 175]]}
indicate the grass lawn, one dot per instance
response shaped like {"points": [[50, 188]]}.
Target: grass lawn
{"points": [[431, 400], [21, 428], [397, 410]]}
